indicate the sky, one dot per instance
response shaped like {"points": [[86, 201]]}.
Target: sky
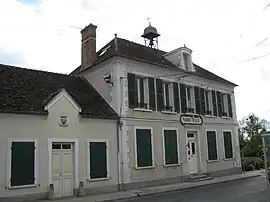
{"points": [[230, 38]]}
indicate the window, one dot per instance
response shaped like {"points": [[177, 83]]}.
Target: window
{"points": [[22, 163], [189, 99], [186, 57], [228, 145], [142, 92], [98, 162], [208, 102], [212, 145], [168, 98], [170, 145], [144, 147], [224, 105]]}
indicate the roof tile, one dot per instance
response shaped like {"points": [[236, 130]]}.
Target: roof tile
{"points": [[26, 90]]}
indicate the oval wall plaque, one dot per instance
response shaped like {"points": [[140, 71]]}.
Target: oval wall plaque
{"points": [[187, 119]]}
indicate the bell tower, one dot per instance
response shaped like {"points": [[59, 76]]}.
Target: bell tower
{"points": [[150, 36]]}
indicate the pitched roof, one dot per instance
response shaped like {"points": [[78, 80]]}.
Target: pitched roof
{"points": [[27, 91], [135, 51]]}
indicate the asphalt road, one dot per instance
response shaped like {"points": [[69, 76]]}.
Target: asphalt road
{"points": [[246, 190]]}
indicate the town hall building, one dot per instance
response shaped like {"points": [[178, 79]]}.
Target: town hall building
{"points": [[130, 116]]}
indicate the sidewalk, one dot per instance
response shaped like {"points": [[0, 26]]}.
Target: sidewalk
{"points": [[131, 194]]}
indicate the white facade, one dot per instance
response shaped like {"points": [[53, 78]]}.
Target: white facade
{"points": [[62, 154], [156, 121]]}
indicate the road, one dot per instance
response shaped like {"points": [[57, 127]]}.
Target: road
{"points": [[247, 190]]}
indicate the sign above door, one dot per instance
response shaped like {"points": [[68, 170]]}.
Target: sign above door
{"points": [[191, 119]]}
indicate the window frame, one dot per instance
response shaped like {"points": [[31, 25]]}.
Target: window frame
{"points": [[135, 147], [145, 87], [218, 158], [88, 159], [224, 102], [171, 95], [192, 98], [163, 146], [186, 60], [10, 141], [223, 142], [210, 102]]}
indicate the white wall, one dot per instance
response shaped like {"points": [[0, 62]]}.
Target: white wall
{"points": [[44, 127]]}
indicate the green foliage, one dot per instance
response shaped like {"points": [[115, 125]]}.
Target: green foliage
{"points": [[252, 163], [251, 128]]}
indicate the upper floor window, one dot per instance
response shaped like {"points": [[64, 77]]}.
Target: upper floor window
{"points": [[141, 92], [142, 89], [224, 104], [208, 103], [168, 96], [190, 99]]}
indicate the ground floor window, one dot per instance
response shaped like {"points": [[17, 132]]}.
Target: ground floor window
{"points": [[227, 135], [212, 145], [98, 153], [23, 163], [170, 145], [144, 147]]}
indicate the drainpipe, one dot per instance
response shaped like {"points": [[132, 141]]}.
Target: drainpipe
{"points": [[120, 156]]}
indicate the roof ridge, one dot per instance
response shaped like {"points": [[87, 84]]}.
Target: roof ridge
{"points": [[159, 50]]}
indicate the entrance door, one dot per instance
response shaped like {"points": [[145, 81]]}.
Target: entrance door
{"points": [[192, 152], [62, 169]]}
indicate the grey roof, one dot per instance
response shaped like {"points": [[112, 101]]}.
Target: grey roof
{"points": [[135, 51]]}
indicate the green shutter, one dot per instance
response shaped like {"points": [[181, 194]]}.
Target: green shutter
{"points": [[228, 145], [219, 104], [144, 147], [170, 147], [197, 99], [202, 97], [22, 163], [152, 93], [176, 97], [212, 145], [132, 91], [183, 98], [98, 160], [160, 95], [214, 102], [230, 105]]}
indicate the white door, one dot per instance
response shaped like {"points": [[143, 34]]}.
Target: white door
{"points": [[192, 153], [62, 169]]}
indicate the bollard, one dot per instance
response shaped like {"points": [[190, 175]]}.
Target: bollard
{"points": [[51, 192], [81, 191]]}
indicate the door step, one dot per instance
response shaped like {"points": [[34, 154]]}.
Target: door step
{"points": [[199, 177]]}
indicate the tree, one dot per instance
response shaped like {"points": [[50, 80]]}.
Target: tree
{"points": [[251, 128]]}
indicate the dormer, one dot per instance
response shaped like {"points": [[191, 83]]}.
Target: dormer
{"points": [[181, 57]]}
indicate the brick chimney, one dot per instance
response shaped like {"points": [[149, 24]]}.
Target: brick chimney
{"points": [[88, 51]]}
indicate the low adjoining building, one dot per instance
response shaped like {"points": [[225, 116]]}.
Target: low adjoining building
{"points": [[55, 130]]}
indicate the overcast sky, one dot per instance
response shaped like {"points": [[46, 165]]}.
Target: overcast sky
{"points": [[228, 37]]}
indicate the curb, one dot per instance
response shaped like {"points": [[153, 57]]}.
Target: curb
{"points": [[140, 195]]}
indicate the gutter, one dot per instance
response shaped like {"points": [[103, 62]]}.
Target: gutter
{"points": [[98, 117], [44, 113]]}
